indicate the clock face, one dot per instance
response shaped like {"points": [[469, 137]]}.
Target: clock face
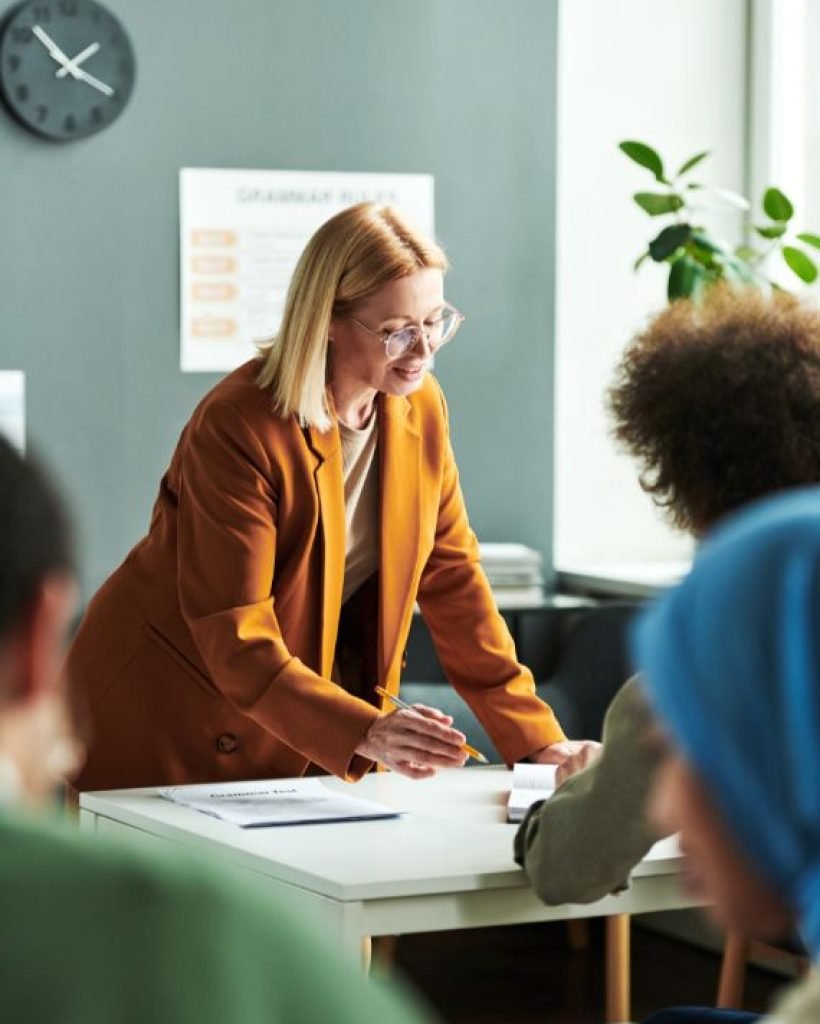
{"points": [[66, 67]]}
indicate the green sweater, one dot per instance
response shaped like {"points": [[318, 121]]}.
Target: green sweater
{"points": [[583, 842], [92, 932]]}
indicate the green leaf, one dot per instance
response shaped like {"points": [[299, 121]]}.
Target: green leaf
{"points": [[810, 239], [692, 162], [800, 263], [643, 155], [775, 231], [704, 241], [639, 261], [686, 279], [747, 254], [776, 205], [669, 241], [655, 203]]}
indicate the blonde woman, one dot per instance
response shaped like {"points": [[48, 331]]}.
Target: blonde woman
{"points": [[311, 501]]}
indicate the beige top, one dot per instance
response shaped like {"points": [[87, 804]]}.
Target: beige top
{"points": [[361, 479]]}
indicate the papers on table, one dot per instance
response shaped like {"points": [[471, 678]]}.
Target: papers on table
{"points": [[531, 782], [276, 802]]}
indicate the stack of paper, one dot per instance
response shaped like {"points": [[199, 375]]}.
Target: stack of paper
{"points": [[276, 802], [515, 572], [531, 782]]}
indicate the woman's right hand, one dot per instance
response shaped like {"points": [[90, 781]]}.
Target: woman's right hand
{"points": [[414, 741]]}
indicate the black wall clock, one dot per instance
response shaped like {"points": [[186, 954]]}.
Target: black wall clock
{"points": [[66, 67]]}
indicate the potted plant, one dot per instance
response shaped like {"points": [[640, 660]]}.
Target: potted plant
{"points": [[698, 259]]}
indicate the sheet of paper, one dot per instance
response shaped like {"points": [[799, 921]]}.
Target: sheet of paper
{"points": [[241, 233], [13, 407], [530, 782], [276, 802]]}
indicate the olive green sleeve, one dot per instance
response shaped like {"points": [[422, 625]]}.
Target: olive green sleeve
{"points": [[582, 843]]}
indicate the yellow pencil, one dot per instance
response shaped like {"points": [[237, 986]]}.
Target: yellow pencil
{"points": [[475, 754]]}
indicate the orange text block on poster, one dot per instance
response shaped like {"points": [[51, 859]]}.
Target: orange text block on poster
{"points": [[213, 327], [213, 237], [213, 291], [213, 264]]}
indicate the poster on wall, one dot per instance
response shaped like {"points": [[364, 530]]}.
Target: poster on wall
{"points": [[241, 233], [13, 407]]}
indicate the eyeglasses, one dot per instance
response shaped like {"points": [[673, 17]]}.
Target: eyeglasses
{"points": [[436, 333]]}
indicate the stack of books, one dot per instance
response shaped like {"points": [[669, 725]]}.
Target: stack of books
{"points": [[515, 572]]}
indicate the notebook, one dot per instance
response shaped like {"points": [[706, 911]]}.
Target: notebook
{"points": [[530, 782], [276, 802]]}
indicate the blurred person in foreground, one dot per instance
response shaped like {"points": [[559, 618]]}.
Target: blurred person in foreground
{"points": [[720, 404], [731, 662], [91, 931]]}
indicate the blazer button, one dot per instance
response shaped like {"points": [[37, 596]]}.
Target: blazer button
{"points": [[227, 743]]}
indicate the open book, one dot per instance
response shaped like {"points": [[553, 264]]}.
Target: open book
{"points": [[530, 782], [276, 802]]}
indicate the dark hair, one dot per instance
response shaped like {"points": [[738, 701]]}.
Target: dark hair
{"points": [[34, 534], [720, 403]]}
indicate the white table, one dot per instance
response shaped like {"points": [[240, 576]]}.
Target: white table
{"points": [[447, 864]]}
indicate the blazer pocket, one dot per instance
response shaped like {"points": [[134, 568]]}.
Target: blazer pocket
{"points": [[188, 667]]}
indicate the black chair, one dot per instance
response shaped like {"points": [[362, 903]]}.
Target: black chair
{"points": [[592, 666]]}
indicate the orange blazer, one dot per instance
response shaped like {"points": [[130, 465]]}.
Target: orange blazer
{"points": [[207, 654]]}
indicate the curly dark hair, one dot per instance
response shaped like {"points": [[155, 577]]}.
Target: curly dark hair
{"points": [[720, 402]]}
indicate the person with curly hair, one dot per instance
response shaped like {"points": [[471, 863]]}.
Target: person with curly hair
{"points": [[720, 404]]}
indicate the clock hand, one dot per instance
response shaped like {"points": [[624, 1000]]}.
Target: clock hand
{"points": [[54, 50], [75, 72], [75, 62], [84, 76]]}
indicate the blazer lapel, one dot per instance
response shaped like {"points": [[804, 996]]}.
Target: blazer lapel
{"points": [[330, 489], [399, 520]]}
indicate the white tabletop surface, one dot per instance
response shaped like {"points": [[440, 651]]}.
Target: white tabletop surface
{"points": [[453, 838]]}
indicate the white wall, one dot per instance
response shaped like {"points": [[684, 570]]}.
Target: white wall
{"points": [[672, 75]]}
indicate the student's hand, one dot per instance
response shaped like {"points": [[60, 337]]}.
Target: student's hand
{"points": [[571, 756], [414, 742], [577, 762]]}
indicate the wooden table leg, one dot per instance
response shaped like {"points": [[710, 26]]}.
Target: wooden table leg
{"points": [[733, 970], [617, 968]]}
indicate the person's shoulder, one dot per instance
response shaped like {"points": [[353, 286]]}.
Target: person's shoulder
{"points": [[166, 927], [51, 855], [241, 394]]}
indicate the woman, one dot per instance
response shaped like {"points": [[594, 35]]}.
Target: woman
{"points": [[97, 932], [732, 666], [312, 499]]}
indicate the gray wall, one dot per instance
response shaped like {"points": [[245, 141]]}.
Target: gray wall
{"points": [[464, 89]]}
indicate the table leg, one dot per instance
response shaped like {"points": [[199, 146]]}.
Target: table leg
{"points": [[617, 967]]}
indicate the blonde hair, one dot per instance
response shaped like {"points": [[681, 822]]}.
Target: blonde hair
{"points": [[347, 259]]}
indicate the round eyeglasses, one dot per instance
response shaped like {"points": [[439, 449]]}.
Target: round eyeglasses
{"points": [[437, 332]]}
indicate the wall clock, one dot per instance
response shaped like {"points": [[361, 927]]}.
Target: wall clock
{"points": [[66, 67]]}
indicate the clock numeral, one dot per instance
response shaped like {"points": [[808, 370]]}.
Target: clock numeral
{"points": [[70, 123], [14, 63], [22, 35], [96, 115], [41, 13], [69, 8], [95, 17], [41, 113], [21, 93]]}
